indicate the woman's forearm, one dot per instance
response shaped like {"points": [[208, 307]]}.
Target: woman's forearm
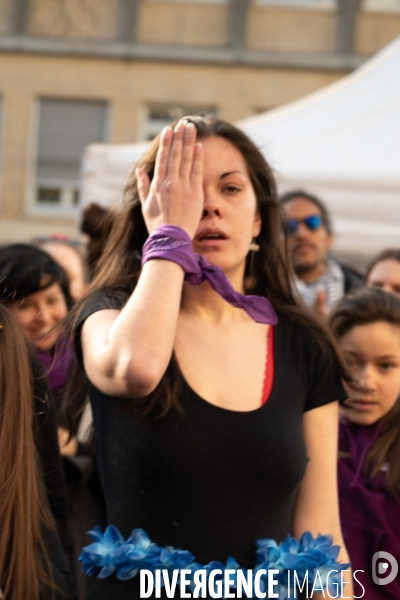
{"points": [[128, 353]]}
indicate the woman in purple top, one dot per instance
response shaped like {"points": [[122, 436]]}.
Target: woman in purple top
{"points": [[36, 289], [367, 326]]}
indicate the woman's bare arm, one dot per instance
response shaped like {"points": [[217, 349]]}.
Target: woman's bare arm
{"points": [[317, 508], [127, 352]]}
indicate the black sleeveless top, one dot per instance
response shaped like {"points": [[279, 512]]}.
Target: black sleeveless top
{"points": [[207, 479]]}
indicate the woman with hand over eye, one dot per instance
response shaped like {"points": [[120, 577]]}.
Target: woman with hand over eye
{"points": [[214, 395]]}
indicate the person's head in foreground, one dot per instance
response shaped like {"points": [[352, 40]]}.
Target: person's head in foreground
{"points": [[309, 231], [23, 506], [384, 271], [36, 289]]}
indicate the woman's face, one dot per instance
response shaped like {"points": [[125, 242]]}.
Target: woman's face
{"points": [[72, 264], [386, 275], [39, 312], [372, 353], [230, 217]]}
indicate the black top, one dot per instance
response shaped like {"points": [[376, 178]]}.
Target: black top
{"points": [[207, 479], [352, 278]]}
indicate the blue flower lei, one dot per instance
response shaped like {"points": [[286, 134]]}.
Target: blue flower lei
{"points": [[110, 554]]}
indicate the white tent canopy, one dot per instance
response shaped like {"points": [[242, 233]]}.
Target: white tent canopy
{"points": [[105, 170], [341, 142]]}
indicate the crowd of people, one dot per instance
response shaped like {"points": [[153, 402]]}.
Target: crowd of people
{"points": [[207, 376]]}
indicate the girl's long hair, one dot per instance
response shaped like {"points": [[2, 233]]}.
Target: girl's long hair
{"points": [[362, 307], [120, 266], [23, 506]]}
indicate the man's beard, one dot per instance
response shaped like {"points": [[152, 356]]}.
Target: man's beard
{"points": [[305, 268]]}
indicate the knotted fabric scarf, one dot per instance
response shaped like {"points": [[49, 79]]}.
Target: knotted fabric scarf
{"points": [[173, 243]]}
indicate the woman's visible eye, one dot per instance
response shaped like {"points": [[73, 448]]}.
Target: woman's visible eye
{"points": [[231, 189], [350, 362], [24, 305], [386, 366]]}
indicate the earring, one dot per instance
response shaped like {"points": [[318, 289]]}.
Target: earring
{"points": [[250, 280], [254, 247]]}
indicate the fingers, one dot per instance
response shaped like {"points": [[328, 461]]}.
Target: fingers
{"points": [[196, 175], [189, 142], [143, 184], [160, 168], [175, 154]]}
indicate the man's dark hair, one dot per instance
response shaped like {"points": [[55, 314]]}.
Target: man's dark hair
{"points": [[294, 194]]}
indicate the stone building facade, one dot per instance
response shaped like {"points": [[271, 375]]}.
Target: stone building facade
{"points": [[74, 72]]}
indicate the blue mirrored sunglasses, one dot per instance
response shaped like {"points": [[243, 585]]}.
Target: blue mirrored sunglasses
{"points": [[312, 223]]}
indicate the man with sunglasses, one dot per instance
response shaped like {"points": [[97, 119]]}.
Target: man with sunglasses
{"points": [[320, 278]]}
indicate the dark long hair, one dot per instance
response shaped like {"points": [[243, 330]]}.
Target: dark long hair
{"points": [[362, 307], [23, 506], [26, 269], [120, 266]]}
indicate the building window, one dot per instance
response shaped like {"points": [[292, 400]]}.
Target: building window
{"points": [[65, 128], [195, 1], [161, 116], [310, 3], [387, 5]]}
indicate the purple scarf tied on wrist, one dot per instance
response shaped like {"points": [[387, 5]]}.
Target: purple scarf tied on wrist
{"points": [[173, 243]]}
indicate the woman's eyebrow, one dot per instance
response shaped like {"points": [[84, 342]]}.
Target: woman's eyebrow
{"points": [[232, 173], [382, 357]]}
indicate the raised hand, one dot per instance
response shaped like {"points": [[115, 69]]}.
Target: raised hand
{"points": [[175, 195], [321, 303]]}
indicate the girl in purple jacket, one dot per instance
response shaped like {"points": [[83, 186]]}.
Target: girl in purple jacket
{"points": [[366, 324]]}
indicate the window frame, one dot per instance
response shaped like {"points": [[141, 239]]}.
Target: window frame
{"points": [[194, 1], [375, 6], [65, 208], [307, 4]]}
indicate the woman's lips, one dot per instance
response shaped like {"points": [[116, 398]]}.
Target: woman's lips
{"points": [[303, 248], [210, 237], [361, 405], [41, 332], [211, 242]]}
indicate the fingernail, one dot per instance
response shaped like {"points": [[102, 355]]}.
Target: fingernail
{"points": [[190, 128], [167, 131], [180, 125]]}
